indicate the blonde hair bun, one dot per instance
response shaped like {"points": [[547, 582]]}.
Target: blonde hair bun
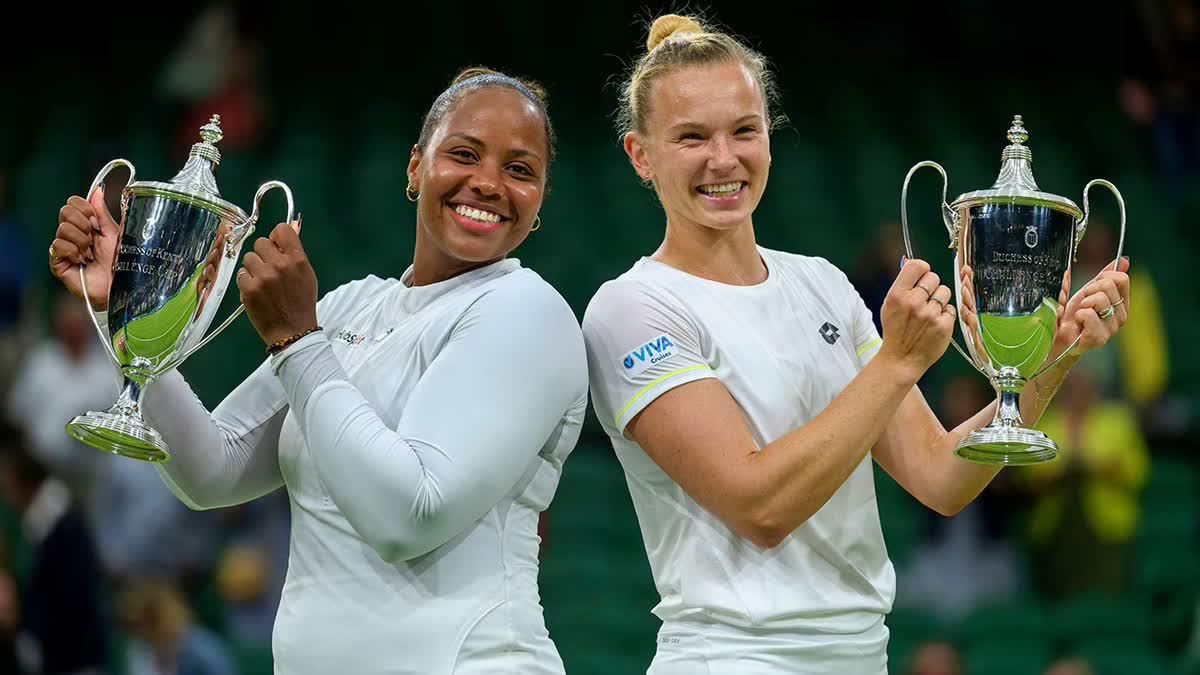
{"points": [[669, 24]]}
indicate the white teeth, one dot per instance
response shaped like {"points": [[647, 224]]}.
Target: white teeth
{"points": [[477, 214], [722, 189]]}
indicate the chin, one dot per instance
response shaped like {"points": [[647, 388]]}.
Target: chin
{"points": [[475, 249]]}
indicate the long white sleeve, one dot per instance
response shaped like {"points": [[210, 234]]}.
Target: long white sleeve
{"points": [[228, 457], [480, 413]]}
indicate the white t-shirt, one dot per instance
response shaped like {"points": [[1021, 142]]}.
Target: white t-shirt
{"points": [[419, 435], [784, 349]]}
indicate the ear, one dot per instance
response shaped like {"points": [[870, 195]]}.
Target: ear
{"points": [[637, 156], [414, 162]]}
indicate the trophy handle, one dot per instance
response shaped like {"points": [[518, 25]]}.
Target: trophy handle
{"points": [[108, 348], [1080, 229], [233, 242], [953, 228]]}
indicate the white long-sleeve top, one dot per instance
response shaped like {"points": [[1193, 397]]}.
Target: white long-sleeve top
{"points": [[419, 435]]}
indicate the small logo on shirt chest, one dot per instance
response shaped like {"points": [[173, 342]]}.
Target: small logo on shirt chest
{"points": [[352, 339], [829, 332]]}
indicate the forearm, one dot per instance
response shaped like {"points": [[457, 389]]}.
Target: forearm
{"points": [[799, 472], [227, 457], [951, 482]]}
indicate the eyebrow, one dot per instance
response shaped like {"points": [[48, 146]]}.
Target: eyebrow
{"points": [[697, 125], [518, 153]]}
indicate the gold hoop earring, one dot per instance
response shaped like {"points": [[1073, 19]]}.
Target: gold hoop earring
{"points": [[412, 196], [537, 222]]}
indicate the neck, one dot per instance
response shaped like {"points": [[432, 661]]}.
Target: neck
{"points": [[726, 256], [432, 265]]}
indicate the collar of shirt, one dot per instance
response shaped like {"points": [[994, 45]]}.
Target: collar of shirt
{"points": [[410, 299]]}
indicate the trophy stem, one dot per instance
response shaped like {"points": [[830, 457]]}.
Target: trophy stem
{"points": [[1006, 441], [121, 430]]}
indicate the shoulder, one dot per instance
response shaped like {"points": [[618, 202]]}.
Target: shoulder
{"points": [[809, 265], [813, 271], [524, 294], [353, 294], [634, 294]]}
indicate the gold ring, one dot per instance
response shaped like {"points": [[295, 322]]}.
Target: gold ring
{"points": [[53, 256], [928, 293], [1119, 301], [1106, 313]]}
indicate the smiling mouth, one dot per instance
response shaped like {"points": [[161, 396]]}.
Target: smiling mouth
{"points": [[478, 215], [722, 189]]}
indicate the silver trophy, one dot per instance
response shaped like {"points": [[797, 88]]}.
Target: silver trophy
{"points": [[161, 300], [1014, 245]]}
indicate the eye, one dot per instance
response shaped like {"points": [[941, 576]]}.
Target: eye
{"points": [[746, 130], [691, 136], [521, 170], [465, 154]]}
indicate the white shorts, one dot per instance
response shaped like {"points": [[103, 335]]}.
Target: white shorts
{"points": [[723, 650]]}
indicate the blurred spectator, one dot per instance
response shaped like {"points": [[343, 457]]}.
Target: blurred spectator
{"points": [[60, 605], [1161, 86], [969, 559], [144, 530], [1086, 508], [165, 638], [10, 616], [935, 658], [251, 570], [1136, 366], [214, 70], [1071, 666], [15, 290], [65, 375]]}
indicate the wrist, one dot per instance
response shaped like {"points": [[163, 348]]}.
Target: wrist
{"points": [[897, 371], [277, 346]]}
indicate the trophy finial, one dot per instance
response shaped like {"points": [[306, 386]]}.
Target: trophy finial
{"points": [[211, 132], [1016, 133]]}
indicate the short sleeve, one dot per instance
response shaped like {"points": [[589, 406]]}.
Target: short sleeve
{"points": [[865, 336], [640, 345]]}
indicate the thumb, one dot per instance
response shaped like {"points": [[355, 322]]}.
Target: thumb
{"points": [[103, 217]]}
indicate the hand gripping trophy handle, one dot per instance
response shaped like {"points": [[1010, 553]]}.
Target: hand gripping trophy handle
{"points": [[1080, 229], [232, 245], [82, 275], [949, 217]]}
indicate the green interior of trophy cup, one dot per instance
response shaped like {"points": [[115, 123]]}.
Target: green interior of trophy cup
{"points": [[1020, 340], [155, 297], [1019, 253]]}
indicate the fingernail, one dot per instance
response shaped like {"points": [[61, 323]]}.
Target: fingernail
{"points": [[1126, 260], [95, 223], [903, 260]]}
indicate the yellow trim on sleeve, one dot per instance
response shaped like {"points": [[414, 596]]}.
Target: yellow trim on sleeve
{"points": [[867, 346], [643, 390]]}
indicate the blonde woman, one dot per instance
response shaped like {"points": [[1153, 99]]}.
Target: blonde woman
{"points": [[746, 391]]}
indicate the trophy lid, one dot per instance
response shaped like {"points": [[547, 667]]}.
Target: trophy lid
{"points": [[1015, 184], [195, 183]]}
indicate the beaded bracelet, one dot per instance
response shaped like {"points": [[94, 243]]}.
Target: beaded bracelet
{"points": [[276, 347]]}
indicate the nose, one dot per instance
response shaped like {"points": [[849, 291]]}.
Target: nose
{"points": [[485, 180], [721, 159]]}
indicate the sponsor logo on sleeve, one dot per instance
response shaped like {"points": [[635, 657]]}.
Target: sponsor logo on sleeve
{"points": [[647, 354]]}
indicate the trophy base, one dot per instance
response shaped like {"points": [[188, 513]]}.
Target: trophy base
{"points": [[1006, 447], [119, 434]]}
